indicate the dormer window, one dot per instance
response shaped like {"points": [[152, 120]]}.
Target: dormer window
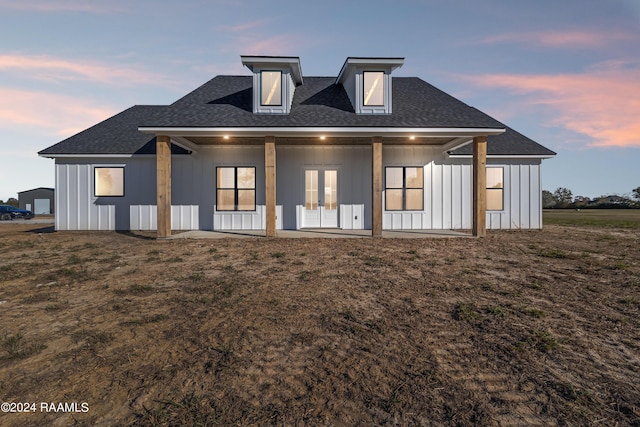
{"points": [[271, 88], [367, 82], [373, 88], [275, 79]]}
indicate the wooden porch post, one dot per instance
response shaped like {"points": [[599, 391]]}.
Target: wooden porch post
{"points": [[163, 194], [270, 182], [479, 186], [376, 203]]}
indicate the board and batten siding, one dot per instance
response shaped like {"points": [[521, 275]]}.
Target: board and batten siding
{"points": [[448, 192], [77, 208], [353, 163], [447, 189]]}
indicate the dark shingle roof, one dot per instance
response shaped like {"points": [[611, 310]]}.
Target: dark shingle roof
{"points": [[226, 101], [509, 143], [116, 135]]}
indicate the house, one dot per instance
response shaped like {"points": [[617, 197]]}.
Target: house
{"points": [[38, 200], [279, 150]]}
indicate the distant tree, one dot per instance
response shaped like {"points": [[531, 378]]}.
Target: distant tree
{"points": [[563, 197], [636, 193], [581, 201], [548, 201], [12, 201]]}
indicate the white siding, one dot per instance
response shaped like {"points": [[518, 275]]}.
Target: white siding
{"points": [[353, 164], [447, 190], [145, 217], [448, 194]]}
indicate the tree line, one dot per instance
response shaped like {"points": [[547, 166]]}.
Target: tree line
{"points": [[563, 198], [11, 201]]}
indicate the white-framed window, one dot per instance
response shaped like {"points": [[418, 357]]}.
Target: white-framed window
{"points": [[495, 189], [108, 181], [404, 188], [373, 88], [236, 188], [271, 88]]}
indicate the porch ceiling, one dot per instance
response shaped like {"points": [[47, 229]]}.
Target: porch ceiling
{"points": [[318, 140]]}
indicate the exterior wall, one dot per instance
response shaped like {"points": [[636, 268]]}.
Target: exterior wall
{"points": [[28, 198], [447, 190], [353, 164], [78, 209]]}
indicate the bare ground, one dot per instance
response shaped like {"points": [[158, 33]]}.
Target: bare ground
{"points": [[519, 328]]}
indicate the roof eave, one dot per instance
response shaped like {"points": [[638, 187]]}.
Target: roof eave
{"points": [[311, 131]]}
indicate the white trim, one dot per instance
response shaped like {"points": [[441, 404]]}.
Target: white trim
{"points": [[106, 156], [352, 62], [504, 156], [314, 131], [184, 143], [456, 143], [92, 156]]}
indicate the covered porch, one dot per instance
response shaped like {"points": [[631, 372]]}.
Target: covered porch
{"points": [[374, 139]]}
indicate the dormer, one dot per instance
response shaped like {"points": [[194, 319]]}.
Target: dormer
{"points": [[367, 82], [274, 82]]}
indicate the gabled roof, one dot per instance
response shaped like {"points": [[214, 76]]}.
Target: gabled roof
{"points": [[509, 143]]}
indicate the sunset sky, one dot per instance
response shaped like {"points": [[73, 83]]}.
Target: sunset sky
{"points": [[566, 73]]}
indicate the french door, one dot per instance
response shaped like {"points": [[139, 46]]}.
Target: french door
{"points": [[321, 198]]}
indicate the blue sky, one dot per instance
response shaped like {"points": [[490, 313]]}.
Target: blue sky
{"points": [[565, 73]]}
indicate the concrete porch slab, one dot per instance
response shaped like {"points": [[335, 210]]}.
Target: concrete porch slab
{"points": [[320, 233]]}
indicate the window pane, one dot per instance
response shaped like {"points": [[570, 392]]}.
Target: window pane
{"points": [[271, 88], [226, 178], [494, 178], [225, 200], [246, 200], [494, 199], [394, 177], [393, 200], [414, 177], [109, 182], [414, 200], [311, 189], [330, 189], [246, 177], [373, 88]]}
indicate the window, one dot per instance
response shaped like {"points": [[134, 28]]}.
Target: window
{"points": [[271, 88], [404, 189], [236, 189], [373, 88], [108, 181], [495, 189]]}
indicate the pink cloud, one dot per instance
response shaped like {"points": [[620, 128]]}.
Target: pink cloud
{"points": [[50, 68], [62, 115], [561, 39], [59, 6], [602, 103], [245, 26]]}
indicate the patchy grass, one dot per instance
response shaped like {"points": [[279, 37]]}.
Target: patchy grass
{"points": [[15, 346], [518, 328]]}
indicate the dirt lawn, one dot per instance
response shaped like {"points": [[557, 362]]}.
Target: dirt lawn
{"points": [[518, 328]]}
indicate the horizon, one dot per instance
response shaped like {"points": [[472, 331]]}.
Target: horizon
{"points": [[569, 80]]}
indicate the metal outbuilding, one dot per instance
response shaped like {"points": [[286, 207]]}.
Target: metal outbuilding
{"points": [[40, 201]]}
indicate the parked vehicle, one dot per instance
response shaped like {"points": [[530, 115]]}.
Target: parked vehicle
{"points": [[10, 212]]}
